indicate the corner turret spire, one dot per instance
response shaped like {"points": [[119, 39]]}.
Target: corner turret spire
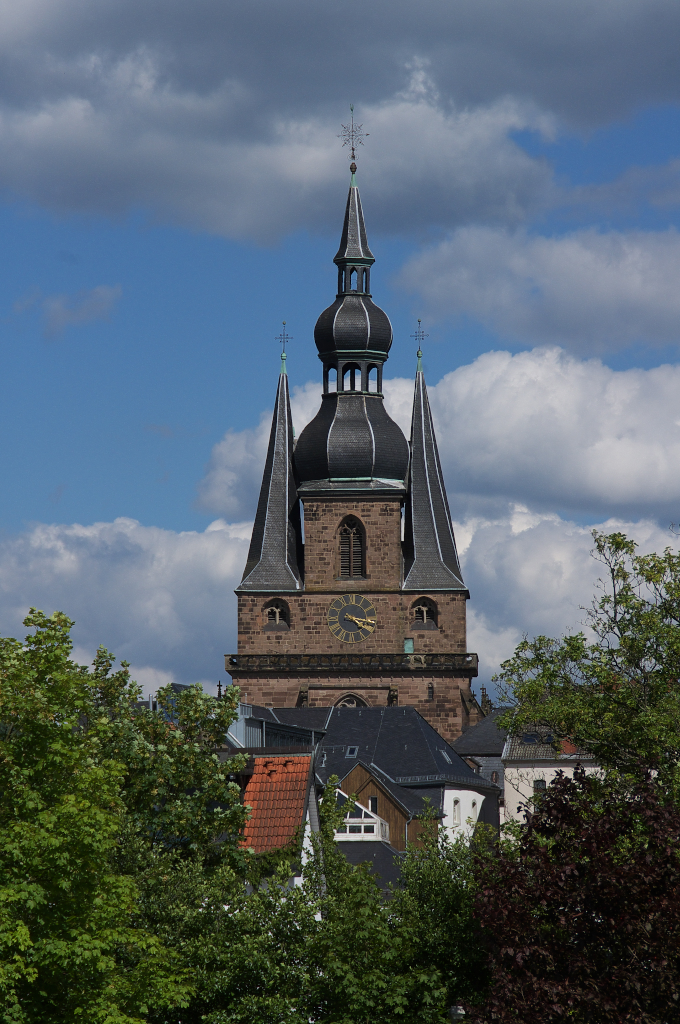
{"points": [[430, 556], [275, 554]]}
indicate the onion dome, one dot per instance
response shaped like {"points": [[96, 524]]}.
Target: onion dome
{"points": [[351, 444]]}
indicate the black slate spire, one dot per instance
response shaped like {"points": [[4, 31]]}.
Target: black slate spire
{"points": [[430, 556], [275, 553], [353, 243], [352, 444]]}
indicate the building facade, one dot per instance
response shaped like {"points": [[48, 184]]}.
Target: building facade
{"points": [[370, 610]]}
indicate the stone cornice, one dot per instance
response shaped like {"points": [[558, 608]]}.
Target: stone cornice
{"points": [[351, 664]]}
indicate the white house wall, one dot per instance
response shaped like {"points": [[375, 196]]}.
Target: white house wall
{"points": [[519, 778], [470, 804]]}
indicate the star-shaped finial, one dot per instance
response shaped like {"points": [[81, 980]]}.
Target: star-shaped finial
{"points": [[352, 135]]}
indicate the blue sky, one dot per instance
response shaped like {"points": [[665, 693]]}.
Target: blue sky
{"points": [[160, 216]]}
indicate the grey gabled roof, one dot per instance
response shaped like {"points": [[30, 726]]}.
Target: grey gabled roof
{"points": [[430, 556], [354, 243], [397, 741], [276, 543], [484, 739]]}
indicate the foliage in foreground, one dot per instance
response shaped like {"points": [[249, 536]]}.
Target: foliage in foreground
{"points": [[90, 788], [614, 692], [122, 879], [582, 913], [330, 950]]}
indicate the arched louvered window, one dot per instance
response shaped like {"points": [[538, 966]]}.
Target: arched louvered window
{"points": [[424, 614], [352, 554]]}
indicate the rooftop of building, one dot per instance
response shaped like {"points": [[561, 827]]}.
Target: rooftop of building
{"points": [[486, 739], [396, 740], [538, 743], [278, 793]]}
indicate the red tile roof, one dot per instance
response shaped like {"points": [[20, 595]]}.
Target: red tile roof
{"points": [[277, 793]]}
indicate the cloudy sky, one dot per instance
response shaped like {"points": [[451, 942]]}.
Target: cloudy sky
{"points": [[171, 189]]}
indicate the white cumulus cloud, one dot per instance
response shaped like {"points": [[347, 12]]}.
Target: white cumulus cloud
{"points": [[162, 600], [542, 428], [590, 291]]}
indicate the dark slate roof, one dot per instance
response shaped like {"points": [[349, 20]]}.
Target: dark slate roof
{"points": [[355, 325], [537, 743], [353, 243], [384, 860], [484, 739], [306, 718], [276, 543], [399, 742], [352, 440], [431, 559]]}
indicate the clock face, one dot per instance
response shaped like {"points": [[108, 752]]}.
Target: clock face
{"points": [[351, 618]]}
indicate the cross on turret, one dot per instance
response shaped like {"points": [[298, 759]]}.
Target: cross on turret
{"points": [[283, 338]]}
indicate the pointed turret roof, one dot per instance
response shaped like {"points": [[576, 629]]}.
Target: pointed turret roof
{"points": [[431, 559], [275, 551], [354, 243]]}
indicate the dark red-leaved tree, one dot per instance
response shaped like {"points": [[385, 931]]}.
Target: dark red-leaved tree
{"points": [[582, 915]]}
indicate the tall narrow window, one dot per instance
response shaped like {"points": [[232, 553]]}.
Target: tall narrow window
{"points": [[351, 548]]}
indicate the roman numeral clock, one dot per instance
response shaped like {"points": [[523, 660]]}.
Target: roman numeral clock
{"points": [[351, 618]]}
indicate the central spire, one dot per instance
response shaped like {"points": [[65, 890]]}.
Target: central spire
{"points": [[352, 443], [353, 327], [354, 254]]}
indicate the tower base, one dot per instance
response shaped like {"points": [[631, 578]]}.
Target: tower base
{"points": [[437, 685]]}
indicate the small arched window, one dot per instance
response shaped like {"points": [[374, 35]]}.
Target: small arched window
{"points": [[276, 617], [352, 549], [373, 379], [430, 691], [456, 812], [474, 810], [350, 700], [351, 377], [423, 614]]}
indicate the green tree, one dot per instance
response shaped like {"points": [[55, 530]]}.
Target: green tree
{"points": [[106, 808], [68, 949], [435, 902], [613, 689]]}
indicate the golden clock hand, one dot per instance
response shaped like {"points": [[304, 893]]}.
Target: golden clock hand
{"points": [[360, 622]]}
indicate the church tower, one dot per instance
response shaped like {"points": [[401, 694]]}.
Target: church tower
{"points": [[371, 609]]}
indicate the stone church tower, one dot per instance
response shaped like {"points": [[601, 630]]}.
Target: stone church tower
{"points": [[370, 610]]}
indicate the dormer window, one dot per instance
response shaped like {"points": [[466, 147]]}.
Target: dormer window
{"points": [[352, 549]]}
